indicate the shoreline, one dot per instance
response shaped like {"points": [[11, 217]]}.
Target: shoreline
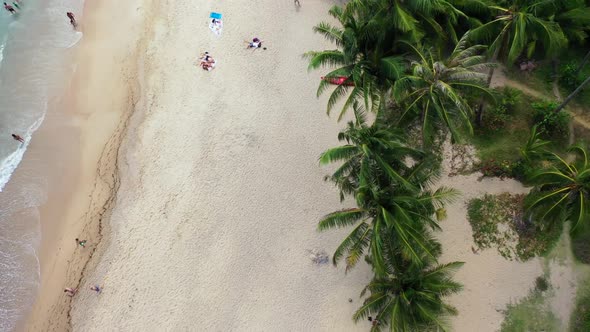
{"points": [[80, 208]]}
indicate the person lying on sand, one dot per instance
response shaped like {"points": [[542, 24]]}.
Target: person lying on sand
{"points": [[207, 61], [70, 291], [96, 288], [255, 43]]}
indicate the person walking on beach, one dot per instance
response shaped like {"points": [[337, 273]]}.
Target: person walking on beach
{"points": [[297, 3], [70, 15], [18, 138], [15, 3], [9, 8], [81, 243], [96, 288], [70, 291]]}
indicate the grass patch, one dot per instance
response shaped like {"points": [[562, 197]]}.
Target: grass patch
{"points": [[540, 79], [580, 319], [581, 247], [531, 314], [497, 221], [504, 143]]}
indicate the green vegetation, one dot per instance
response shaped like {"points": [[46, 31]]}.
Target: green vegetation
{"points": [[561, 192], [531, 314], [433, 84], [409, 295], [580, 319], [497, 221], [581, 247], [552, 124], [581, 316], [420, 68]]}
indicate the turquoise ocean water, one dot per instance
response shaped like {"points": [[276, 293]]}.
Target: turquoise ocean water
{"points": [[36, 48]]}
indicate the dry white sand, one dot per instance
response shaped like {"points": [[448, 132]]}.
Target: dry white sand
{"points": [[221, 188]]}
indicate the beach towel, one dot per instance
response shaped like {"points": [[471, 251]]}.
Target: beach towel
{"points": [[215, 23]]}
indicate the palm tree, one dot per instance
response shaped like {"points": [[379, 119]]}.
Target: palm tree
{"points": [[573, 16], [518, 26], [409, 297], [368, 68], [371, 61], [535, 147], [388, 193], [435, 90], [434, 19], [574, 19], [572, 95], [521, 25], [377, 151], [561, 192]]}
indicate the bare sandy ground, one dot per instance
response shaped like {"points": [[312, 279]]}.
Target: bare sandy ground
{"points": [[221, 188], [489, 280]]}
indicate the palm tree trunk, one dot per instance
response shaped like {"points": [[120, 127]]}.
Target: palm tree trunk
{"points": [[480, 108], [572, 95], [581, 66]]}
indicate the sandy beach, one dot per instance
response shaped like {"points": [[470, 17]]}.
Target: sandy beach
{"points": [[86, 132], [221, 188], [200, 192]]}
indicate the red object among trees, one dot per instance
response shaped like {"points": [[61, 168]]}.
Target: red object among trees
{"points": [[340, 80]]}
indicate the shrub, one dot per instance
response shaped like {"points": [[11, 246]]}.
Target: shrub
{"points": [[541, 284], [551, 124], [521, 170], [495, 118], [497, 221], [580, 319], [510, 98], [581, 247], [495, 168], [568, 78]]}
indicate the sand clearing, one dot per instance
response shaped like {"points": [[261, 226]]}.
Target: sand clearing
{"points": [[489, 280]]}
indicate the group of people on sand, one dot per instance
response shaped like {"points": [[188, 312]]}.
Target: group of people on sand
{"points": [[207, 62], [72, 291]]}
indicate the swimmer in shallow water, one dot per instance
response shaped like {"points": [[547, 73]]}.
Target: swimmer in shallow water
{"points": [[18, 138], [72, 18]]}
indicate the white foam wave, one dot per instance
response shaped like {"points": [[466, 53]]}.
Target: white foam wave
{"points": [[10, 163]]}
